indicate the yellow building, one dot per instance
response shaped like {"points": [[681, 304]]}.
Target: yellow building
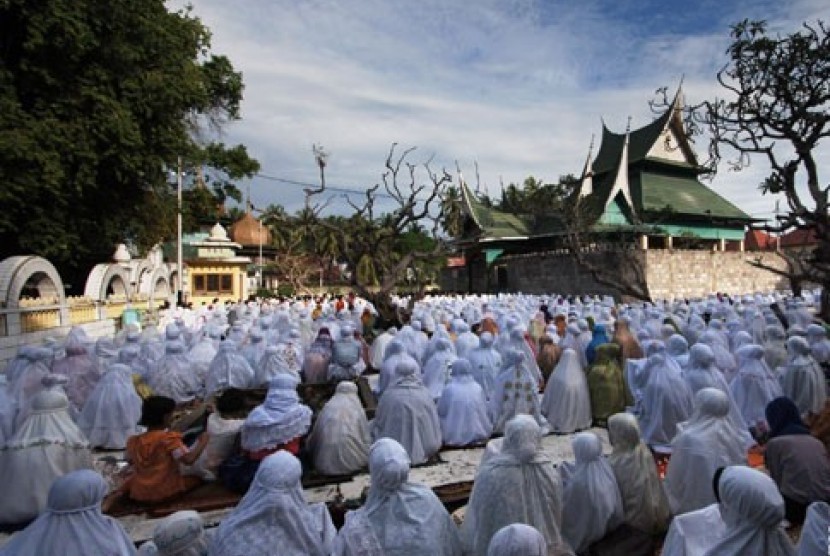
{"points": [[214, 269]]}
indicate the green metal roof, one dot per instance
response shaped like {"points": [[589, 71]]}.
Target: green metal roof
{"points": [[494, 223], [683, 195]]}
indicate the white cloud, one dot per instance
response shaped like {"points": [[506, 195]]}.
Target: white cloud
{"points": [[518, 86]]}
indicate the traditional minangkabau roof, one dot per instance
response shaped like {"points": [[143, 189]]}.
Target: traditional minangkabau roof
{"points": [[493, 223]]}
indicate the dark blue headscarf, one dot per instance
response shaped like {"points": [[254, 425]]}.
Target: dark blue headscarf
{"points": [[599, 337], [784, 418]]}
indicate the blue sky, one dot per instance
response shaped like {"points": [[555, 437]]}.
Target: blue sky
{"points": [[518, 86]]}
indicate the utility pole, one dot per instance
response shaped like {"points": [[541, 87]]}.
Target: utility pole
{"points": [[179, 266]]}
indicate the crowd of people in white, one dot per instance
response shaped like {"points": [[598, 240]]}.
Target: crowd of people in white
{"points": [[705, 385]]}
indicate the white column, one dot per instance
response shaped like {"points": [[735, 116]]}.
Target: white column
{"points": [[741, 246], [722, 246], [669, 242], [644, 242]]}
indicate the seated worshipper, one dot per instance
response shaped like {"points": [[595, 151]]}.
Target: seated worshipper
{"points": [[666, 401], [694, 533], [201, 355], [398, 517], [46, 446], [644, 501], [703, 444], [112, 411], [567, 403], [7, 411], [517, 540], [72, 523], [465, 340], [377, 352], [754, 386], [515, 393], [406, 413], [517, 485], [724, 360], [172, 376], [518, 341], [678, 349], [819, 344], [752, 509], [549, 354], [462, 408], [278, 423], [591, 495], [340, 438], [605, 383], [486, 363], [229, 369], [814, 535], [223, 426], [395, 354], [272, 364], [775, 348], [346, 357], [179, 534], [598, 338], [80, 367], [155, 455], [436, 371], [803, 379], [317, 359], [255, 348], [27, 381], [274, 517], [796, 461]]}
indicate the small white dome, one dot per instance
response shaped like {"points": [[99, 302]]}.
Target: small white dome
{"points": [[121, 254], [218, 233]]}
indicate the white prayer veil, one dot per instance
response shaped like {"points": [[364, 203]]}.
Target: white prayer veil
{"points": [[279, 419], [706, 442], [462, 408], [592, 502], [112, 411], [567, 402], [181, 534], [340, 438], [522, 483], [753, 510], [666, 401], [274, 516], [803, 380], [229, 369], [814, 535], [72, 522], [486, 363], [755, 385], [644, 500], [517, 539], [399, 517]]}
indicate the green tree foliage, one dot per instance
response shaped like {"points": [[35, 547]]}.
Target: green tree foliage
{"points": [[98, 101]]}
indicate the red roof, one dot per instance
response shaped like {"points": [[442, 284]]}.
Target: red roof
{"points": [[799, 238], [756, 240]]}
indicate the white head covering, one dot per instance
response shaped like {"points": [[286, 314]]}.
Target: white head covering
{"points": [[592, 498], [705, 443], [72, 522], [462, 408], [666, 401], [181, 534], [279, 419], [340, 438], [112, 411], [644, 501], [814, 541], [486, 363], [518, 540], [567, 403], [229, 369], [515, 392], [753, 510], [803, 380], [274, 513], [521, 482], [399, 517], [395, 354], [436, 373], [754, 386], [173, 377]]}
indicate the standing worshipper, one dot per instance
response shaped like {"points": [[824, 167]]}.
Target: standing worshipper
{"points": [[605, 383], [27, 380], [803, 379], [645, 505], [796, 461], [567, 403], [465, 341], [275, 517], [666, 402], [46, 446], [399, 517], [255, 348], [752, 509], [462, 408], [340, 438], [521, 482], [599, 337], [515, 393], [112, 411], [705, 443], [406, 413], [549, 354], [72, 522], [486, 363]]}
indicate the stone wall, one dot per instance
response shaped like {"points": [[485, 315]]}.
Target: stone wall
{"points": [[10, 344], [670, 273]]}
